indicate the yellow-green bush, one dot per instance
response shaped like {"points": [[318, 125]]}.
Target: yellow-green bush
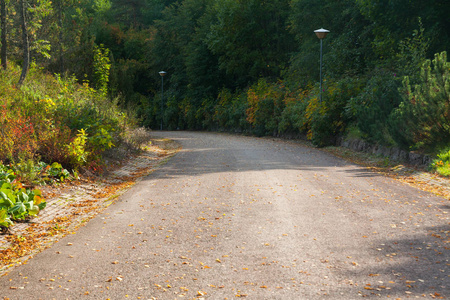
{"points": [[55, 119]]}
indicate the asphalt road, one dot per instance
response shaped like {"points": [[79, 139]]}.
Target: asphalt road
{"points": [[240, 217]]}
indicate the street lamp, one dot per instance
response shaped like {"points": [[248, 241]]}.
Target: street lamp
{"points": [[321, 34], [162, 73]]}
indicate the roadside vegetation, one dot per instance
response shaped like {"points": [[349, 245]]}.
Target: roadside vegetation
{"points": [[51, 130]]}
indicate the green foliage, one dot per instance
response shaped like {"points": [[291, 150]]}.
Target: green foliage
{"points": [[293, 116], [412, 53], [442, 163], [249, 38], [326, 119], [56, 120], [230, 111], [101, 140], [347, 50], [387, 32], [76, 150], [56, 170], [265, 107], [101, 68], [16, 202], [422, 120], [371, 108]]}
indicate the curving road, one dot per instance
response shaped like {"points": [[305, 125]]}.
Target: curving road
{"points": [[240, 217]]}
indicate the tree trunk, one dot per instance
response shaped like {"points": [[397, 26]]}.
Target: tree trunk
{"points": [[26, 46], [3, 28], [60, 46]]}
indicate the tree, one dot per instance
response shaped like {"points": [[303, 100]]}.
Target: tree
{"points": [[386, 15], [4, 32], [250, 38], [423, 118], [25, 41], [61, 36]]}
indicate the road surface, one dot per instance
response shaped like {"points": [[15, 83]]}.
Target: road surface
{"points": [[240, 217]]}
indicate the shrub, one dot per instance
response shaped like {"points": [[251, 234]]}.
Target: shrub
{"points": [[326, 120], [265, 102], [17, 135], [16, 202], [422, 120], [44, 117], [442, 163], [230, 111], [371, 108], [293, 116]]}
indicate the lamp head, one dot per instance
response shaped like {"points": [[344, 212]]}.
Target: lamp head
{"points": [[162, 73], [321, 33]]}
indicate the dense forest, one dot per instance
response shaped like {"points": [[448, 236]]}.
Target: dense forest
{"points": [[251, 66]]}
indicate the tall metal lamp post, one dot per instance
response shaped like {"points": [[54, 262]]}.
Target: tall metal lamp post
{"points": [[321, 34], [162, 73]]}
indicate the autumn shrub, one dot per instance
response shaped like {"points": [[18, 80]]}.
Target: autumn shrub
{"points": [[325, 120], [17, 135], [293, 116], [230, 111], [187, 118], [265, 105], [205, 114], [137, 138], [221, 115], [42, 120]]}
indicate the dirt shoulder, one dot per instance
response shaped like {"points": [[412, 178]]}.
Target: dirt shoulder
{"points": [[411, 175], [72, 204]]}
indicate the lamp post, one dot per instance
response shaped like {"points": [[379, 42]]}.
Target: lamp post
{"points": [[162, 73], [321, 34]]}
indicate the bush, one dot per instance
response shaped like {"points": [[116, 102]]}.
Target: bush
{"points": [[442, 163], [371, 109], [326, 120], [43, 120], [422, 120], [16, 202], [266, 104], [230, 111], [17, 135], [293, 116]]}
